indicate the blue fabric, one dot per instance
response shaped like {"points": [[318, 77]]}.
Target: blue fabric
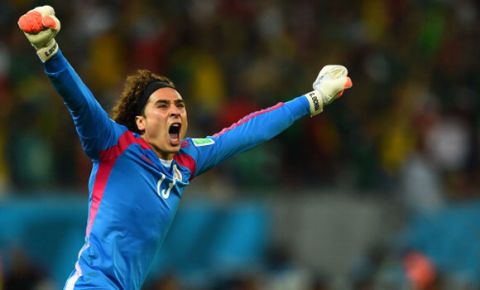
{"points": [[133, 198], [50, 231]]}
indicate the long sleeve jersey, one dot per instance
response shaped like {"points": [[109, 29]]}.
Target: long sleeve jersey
{"points": [[133, 196]]}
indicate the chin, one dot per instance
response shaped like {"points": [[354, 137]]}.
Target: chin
{"points": [[174, 149]]}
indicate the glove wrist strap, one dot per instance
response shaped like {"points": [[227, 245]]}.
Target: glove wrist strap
{"points": [[46, 52], [316, 102]]}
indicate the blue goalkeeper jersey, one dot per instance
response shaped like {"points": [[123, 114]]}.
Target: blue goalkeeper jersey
{"points": [[133, 195]]}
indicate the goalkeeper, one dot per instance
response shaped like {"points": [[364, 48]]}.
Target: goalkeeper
{"points": [[142, 160]]}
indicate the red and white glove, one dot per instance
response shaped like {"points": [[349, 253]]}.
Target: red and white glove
{"points": [[330, 84], [40, 27]]}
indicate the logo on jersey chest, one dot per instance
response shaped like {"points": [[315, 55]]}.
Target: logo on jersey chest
{"points": [[165, 186]]}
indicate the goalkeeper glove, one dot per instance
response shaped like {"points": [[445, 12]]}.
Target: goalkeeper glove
{"points": [[40, 27], [329, 85]]}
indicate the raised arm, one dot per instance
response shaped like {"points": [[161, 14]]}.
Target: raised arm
{"points": [[96, 130], [263, 125]]}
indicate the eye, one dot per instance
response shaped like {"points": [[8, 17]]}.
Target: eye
{"points": [[162, 105]]}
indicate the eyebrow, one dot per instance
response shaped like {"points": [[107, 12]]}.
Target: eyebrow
{"points": [[176, 102]]}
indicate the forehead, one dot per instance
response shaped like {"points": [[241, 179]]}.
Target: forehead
{"points": [[167, 94]]}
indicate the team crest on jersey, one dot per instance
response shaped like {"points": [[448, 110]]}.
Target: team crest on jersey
{"points": [[165, 186], [198, 142]]}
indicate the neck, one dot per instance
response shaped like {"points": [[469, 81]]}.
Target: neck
{"points": [[162, 154]]}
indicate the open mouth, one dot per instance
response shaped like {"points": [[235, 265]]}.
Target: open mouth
{"points": [[174, 133]]}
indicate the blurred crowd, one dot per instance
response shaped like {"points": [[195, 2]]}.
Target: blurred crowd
{"points": [[412, 114], [409, 127]]}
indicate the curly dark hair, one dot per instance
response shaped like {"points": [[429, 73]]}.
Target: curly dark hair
{"points": [[124, 111]]}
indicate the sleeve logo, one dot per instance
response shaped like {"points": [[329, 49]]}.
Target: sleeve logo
{"points": [[198, 142]]}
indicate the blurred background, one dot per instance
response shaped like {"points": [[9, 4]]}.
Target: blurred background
{"points": [[381, 191]]}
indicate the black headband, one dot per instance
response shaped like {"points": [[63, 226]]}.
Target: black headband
{"points": [[149, 89]]}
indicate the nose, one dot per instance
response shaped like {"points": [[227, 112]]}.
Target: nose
{"points": [[175, 112]]}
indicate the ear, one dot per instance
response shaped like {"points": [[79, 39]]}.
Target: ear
{"points": [[140, 121]]}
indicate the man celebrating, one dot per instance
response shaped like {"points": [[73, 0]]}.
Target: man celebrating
{"points": [[141, 159]]}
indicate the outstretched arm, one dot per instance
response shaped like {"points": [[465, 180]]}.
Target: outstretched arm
{"points": [[96, 130], [263, 125]]}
